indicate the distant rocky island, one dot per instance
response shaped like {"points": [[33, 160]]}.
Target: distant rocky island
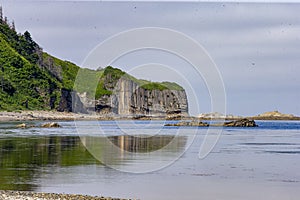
{"points": [[271, 115], [275, 115]]}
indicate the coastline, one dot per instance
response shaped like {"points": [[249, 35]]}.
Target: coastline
{"points": [[24, 195], [44, 116], [69, 116], [6, 116]]}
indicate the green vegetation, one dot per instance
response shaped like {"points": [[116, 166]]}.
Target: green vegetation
{"points": [[154, 86], [65, 71], [102, 82], [23, 85], [172, 86], [31, 79], [23, 158], [87, 80]]}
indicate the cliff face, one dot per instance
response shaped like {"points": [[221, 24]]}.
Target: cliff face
{"points": [[31, 79], [70, 102], [129, 98], [132, 99]]}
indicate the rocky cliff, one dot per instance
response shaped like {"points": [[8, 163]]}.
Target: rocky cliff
{"points": [[130, 96], [31, 79]]}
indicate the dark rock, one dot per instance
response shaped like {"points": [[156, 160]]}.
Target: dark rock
{"points": [[70, 102], [192, 123], [241, 123], [237, 123]]}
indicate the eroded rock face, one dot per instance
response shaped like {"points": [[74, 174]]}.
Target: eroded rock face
{"points": [[70, 102], [130, 99], [241, 123]]}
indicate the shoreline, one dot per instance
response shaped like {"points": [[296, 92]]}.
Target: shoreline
{"points": [[18, 116], [25, 195]]}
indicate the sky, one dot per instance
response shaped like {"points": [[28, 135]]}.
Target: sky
{"points": [[255, 46]]}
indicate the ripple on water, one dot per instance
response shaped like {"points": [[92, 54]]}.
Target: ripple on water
{"points": [[267, 143], [283, 152]]}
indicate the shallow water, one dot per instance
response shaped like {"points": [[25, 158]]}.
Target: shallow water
{"points": [[143, 159]]}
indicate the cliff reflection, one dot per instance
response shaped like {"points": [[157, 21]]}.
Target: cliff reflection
{"points": [[126, 150], [144, 144], [23, 159]]}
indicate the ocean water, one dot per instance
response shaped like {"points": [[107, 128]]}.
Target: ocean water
{"points": [[145, 160]]}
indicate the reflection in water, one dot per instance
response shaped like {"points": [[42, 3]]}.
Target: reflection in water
{"points": [[23, 159], [140, 143], [137, 154]]}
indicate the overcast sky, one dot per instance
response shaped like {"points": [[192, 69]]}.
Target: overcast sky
{"points": [[256, 47]]}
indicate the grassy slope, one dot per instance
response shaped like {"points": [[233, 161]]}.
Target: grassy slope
{"points": [[22, 81], [30, 76], [103, 82]]}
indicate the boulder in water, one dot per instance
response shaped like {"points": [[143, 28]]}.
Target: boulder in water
{"points": [[241, 123], [23, 125], [51, 125]]}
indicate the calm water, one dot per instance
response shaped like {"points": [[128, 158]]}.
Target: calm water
{"points": [[246, 163]]}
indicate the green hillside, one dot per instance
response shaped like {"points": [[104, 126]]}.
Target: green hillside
{"points": [[107, 78], [31, 79]]}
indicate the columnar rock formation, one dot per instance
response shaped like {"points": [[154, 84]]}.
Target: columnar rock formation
{"points": [[129, 98]]}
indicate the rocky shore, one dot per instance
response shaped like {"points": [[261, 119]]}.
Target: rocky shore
{"points": [[272, 115], [65, 116], [237, 123], [18, 195], [43, 115]]}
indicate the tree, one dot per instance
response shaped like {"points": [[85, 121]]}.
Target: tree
{"points": [[27, 37], [13, 27], [1, 14]]}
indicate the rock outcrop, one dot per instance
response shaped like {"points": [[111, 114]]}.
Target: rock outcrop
{"points": [[70, 102], [50, 125], [275, 115], [23, 125], [236, 123], [241, 123], [128, 98], [187, 123]]}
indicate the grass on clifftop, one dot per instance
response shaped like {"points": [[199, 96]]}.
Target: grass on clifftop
{"points": [[102, 82]]}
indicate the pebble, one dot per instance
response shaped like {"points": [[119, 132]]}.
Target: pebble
{"points": [[22, 195]]}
